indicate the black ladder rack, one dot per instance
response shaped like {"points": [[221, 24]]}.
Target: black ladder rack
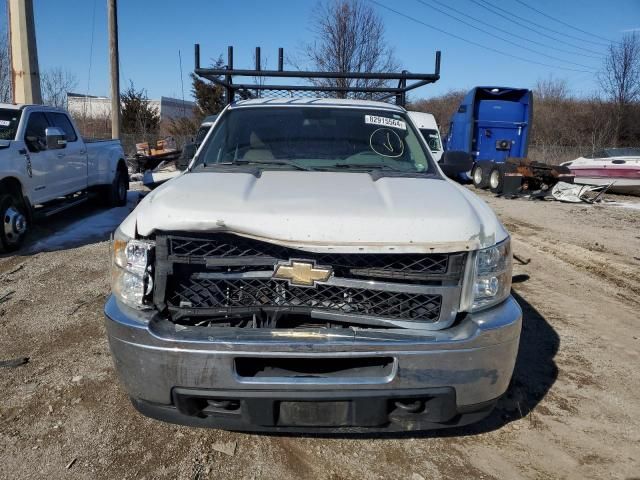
{"points": [[224, 77]]}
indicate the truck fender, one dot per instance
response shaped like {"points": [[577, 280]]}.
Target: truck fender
{"points": [[114, 159], [117, 163], [14, 187]]}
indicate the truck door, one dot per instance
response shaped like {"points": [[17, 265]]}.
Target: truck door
{"points": [[70, 162], [38, 160]]}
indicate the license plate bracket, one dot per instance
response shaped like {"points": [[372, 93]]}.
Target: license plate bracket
{"points": [[315, 414]]}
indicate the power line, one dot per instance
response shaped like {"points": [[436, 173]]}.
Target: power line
{"points": [[475, 43], [493, 27], [489, 6], [563, 23], [487, 32]]}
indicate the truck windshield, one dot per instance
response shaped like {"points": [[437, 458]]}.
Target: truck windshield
{"points": [[317, 138], [9, 119], [432, 138]]}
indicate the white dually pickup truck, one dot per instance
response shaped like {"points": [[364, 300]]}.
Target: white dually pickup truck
{"points": [[46, 166], [314, 270]]}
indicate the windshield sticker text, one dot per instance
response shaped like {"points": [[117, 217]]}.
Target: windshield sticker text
{"points": [[384, 121], [4, 123]]}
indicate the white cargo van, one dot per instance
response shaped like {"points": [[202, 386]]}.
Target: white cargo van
{"points": [[427, 125]]}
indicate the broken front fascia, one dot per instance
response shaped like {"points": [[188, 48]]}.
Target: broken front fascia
{"points": [[484, 282]]}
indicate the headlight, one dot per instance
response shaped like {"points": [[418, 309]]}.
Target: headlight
{"points": [[131, 276], [492, 276]]}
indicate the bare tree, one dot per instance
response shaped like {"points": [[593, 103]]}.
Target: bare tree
{"points": [[599, 123], [55, 83], [620, 79], [5, 69], [441, 107], [350, 37], [551, 89]]}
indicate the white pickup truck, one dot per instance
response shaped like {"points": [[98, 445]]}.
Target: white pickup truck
{"points": [[46, 166], [314, 269]]}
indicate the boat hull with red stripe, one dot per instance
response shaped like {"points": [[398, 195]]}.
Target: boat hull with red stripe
{"points": [[620, 171]]}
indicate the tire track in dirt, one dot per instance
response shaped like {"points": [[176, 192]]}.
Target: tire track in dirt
{"points": [[623, 278]]}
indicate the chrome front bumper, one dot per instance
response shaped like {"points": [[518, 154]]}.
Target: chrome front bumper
{"points": [[470, 363]]}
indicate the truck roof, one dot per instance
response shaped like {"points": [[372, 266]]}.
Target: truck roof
{"points": [[424, 120], [332, 102], [12, 106]]}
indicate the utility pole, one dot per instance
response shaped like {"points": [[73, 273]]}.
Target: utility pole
{"points": [[112, 7], [24, 53]]}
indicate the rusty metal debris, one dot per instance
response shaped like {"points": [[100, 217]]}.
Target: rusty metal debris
{"points": [[521, 176], [521, 260]]}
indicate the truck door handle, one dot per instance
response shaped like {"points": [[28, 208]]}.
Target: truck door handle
{"points": [[60, 155], [83, 152]]}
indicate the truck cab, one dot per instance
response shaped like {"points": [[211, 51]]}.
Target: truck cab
{"points": [[491, 123]]}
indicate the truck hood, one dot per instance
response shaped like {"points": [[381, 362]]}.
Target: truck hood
{"points": [[322, 211]]}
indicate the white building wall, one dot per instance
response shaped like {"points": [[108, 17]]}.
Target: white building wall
{"points": [[92, 107], [174, 108], [100, 107]]}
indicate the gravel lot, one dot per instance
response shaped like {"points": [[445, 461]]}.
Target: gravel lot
{"points": [[572, 410]]}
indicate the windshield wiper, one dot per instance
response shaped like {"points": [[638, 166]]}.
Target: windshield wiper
{"points": [[377, 170], [289, 163], [367, 166]]}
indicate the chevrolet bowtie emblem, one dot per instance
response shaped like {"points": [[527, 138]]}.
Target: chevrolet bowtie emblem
{"points": [[301, 273]]}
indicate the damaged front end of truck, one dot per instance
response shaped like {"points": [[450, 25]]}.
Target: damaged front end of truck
{"points": [[313, 270]]}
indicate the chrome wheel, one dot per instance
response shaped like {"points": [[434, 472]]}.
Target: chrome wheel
{"points": [[15, 224], [494, 179], [477, 176]]}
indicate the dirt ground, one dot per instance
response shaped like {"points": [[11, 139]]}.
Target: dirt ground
{"points": [[572, 410]]}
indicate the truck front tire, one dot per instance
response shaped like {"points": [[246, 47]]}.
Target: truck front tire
{"points": [[14, 223]]}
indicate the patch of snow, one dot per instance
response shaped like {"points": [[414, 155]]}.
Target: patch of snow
{"points": [[631, 205], [92, 228]]}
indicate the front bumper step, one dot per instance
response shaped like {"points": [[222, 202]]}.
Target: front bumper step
{"points": [[321, 411], [387, 379]]}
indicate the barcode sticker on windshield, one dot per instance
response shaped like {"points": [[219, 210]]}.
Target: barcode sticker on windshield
{"points": [[385, 122], [4, 123]]}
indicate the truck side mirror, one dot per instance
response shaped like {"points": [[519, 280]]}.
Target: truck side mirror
{"points": [[455, 162], [55, 138]]}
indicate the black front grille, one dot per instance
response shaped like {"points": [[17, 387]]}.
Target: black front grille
{"points": [[245, 295], [225, 248], [224, 275]]}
